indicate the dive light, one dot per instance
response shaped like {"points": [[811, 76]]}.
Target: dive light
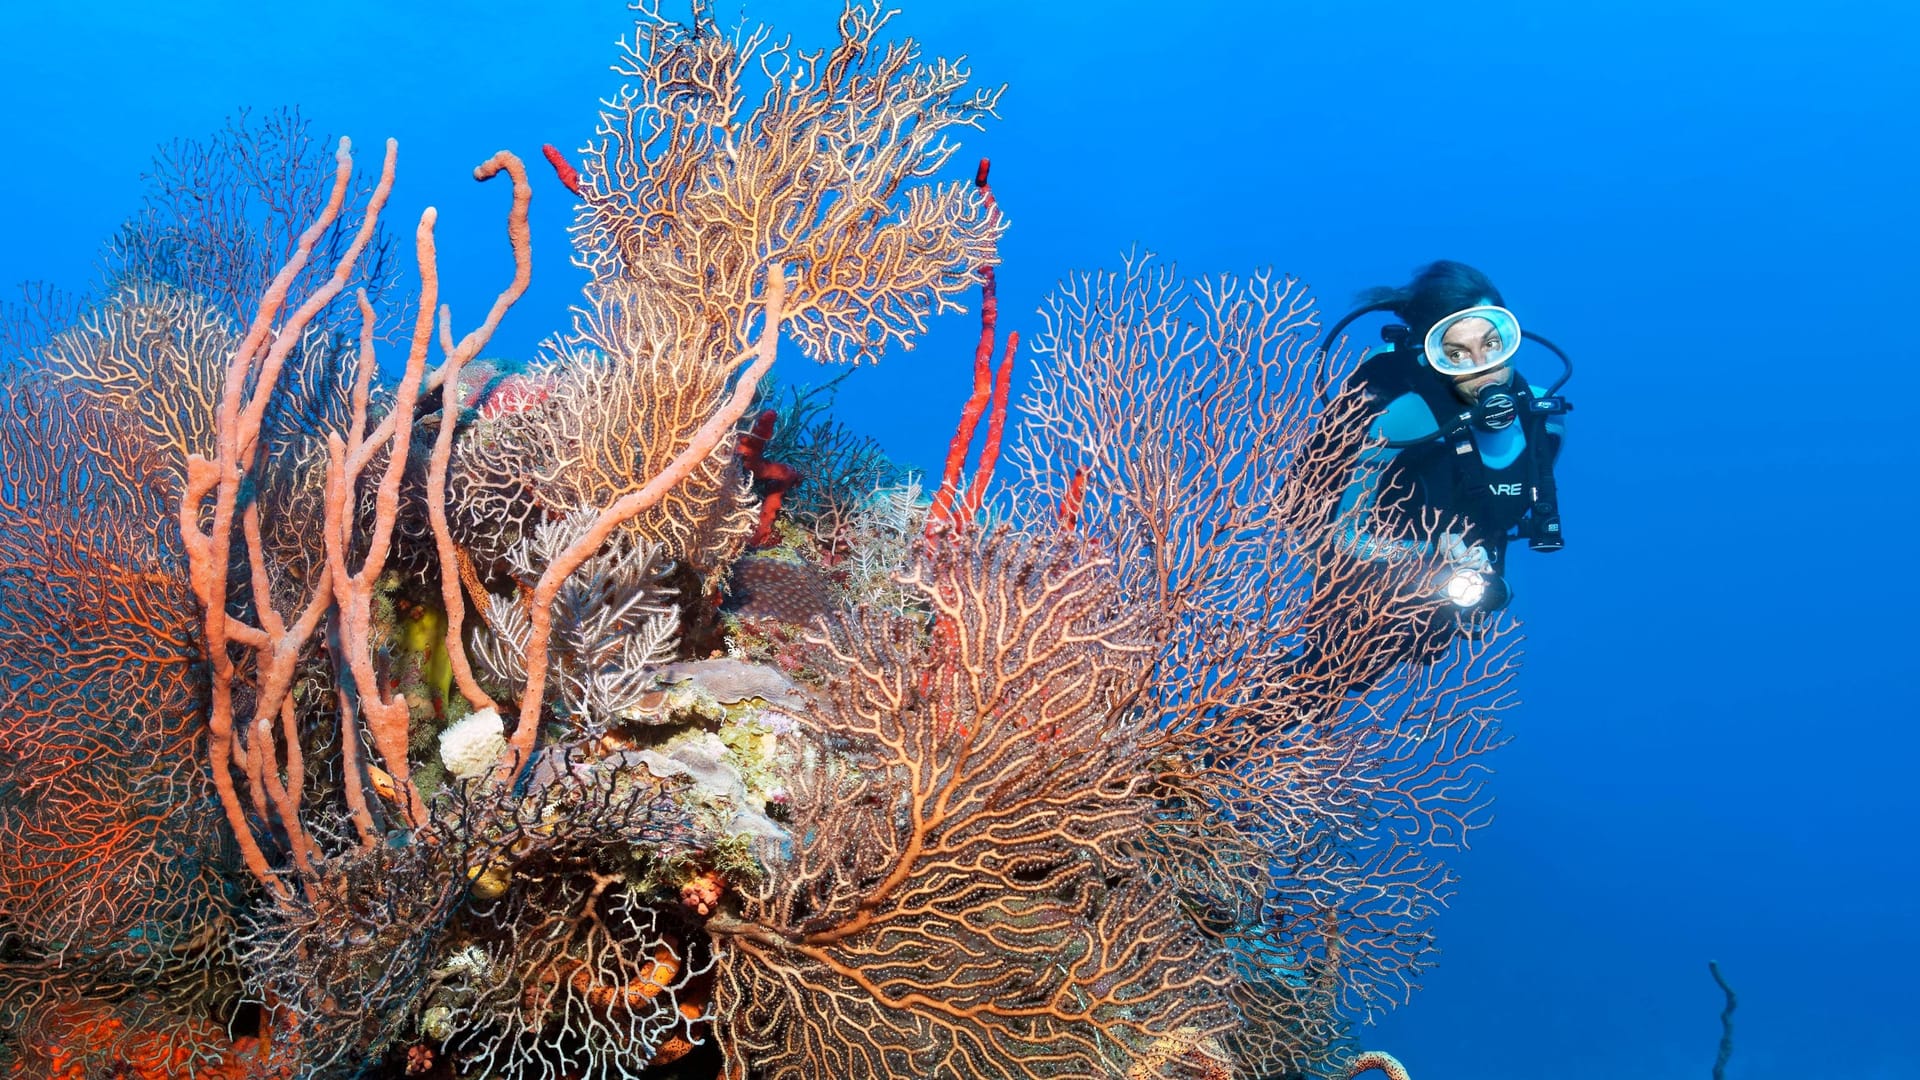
{"points": [[1472, 590]]}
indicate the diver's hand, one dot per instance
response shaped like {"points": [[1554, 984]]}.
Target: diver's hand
{"points": [[1455, 550]]}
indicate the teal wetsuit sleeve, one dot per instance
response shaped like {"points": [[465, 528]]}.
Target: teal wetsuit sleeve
{"points": [[1405, 419]]}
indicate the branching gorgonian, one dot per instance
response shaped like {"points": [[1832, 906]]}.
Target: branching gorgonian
{"points": [[614, 622], [881, 537]]}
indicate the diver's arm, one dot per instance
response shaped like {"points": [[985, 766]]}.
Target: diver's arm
{"points": [[1401, 422], [1360, 508]]}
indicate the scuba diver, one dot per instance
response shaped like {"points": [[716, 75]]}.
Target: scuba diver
{"points": [[1462, 443]]}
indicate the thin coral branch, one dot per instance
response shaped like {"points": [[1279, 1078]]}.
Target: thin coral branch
{"points": [[520, 236], [1724, 1053], [519, 749]]}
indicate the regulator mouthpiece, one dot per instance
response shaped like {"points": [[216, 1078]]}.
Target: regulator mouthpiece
{"points": [[1495, 409]]}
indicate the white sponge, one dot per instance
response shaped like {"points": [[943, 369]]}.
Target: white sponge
{"points": [[469, 748]]}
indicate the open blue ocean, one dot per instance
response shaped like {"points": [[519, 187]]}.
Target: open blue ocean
{"points": [[1710, 205]]}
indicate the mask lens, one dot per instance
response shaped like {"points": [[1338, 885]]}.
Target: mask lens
{"points": [[1474, 340]]}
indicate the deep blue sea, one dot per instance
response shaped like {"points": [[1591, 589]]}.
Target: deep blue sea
{"points": [[1710, 205]]}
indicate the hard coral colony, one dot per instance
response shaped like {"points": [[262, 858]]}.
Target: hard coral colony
{"points": [[369, 728]]}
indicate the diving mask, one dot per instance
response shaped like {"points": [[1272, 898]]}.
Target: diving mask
{"points": [[1484, 337]]}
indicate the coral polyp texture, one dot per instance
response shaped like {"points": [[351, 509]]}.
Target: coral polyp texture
{"points": [[607, 714]]}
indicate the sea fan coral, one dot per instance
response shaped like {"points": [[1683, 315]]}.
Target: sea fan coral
{"points": [[962, 898], [356, 725], [687, 193]]}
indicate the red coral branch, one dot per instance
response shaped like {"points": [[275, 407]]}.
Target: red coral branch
{"points": [[562, 168], [996, 423], [774, 477], [1076, 496], [990, 390], [941, 516]]}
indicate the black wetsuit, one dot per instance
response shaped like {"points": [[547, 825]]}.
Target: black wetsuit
{"points": [[1490, 502], [1491, 481]]}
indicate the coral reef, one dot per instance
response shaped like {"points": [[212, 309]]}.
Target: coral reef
{"points": [[446, 725]]}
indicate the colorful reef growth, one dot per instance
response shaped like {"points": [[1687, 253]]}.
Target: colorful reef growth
{"points": [[372, 707]]}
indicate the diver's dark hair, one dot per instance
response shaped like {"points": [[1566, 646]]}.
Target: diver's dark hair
{"points": [[1437, 290]]}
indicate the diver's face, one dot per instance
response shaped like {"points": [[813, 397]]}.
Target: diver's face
{"points": [[1470, 341]]}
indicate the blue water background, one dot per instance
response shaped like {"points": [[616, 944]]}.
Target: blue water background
{"points": [[1710, 205]]}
